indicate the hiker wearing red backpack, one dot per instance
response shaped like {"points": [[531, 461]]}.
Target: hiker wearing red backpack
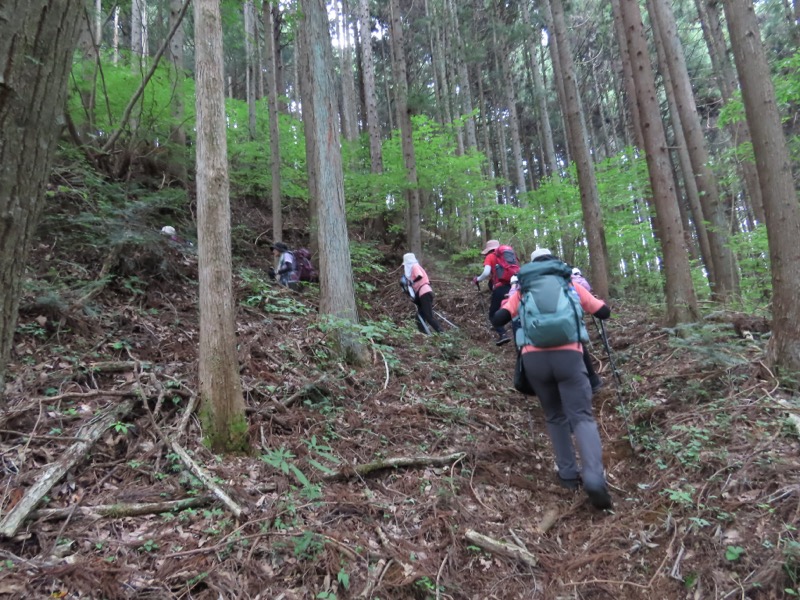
{"points": [[499, 266], [550, 308], [287, 273]]}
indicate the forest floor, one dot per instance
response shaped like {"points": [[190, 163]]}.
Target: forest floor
{"points": [[706, 492]]}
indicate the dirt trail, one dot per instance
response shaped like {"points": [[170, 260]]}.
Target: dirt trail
{"points": [[705, 508]]}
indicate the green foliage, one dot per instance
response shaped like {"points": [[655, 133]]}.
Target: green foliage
{"points": [[251, 160], [269, 295], [115, 85]]}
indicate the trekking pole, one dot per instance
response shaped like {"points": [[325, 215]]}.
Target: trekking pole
{"points": [[443, 318], [601, 328], [424, 324]]}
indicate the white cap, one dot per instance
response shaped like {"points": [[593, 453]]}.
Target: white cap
{"points": [[540, 252], [168, 230], [576, 271], [409, 259], [514, 279]]}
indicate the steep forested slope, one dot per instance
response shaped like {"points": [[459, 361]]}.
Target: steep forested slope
{"points": [[706, 492]]}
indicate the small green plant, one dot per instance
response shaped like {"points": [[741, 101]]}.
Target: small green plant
{"points": [[120, 427], [343, 578], [280, 459], [149, 546], [734, 553]]}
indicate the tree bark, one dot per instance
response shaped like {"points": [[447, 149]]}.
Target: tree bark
{"points": [[590, 198], [37, 39], [708, 11], [250, 41], [222, 403], [413, 217], [689, 181], [513, 121], [725, 286], [178, 134], [627, 77], [349, 104], [680, 295], [541, 95], [370, 95], [274, 122], [781, 208], [326, 180]]}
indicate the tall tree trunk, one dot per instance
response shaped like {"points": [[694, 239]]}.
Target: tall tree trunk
{"points": [[115, 38], [175, 56], [37, 39], [409, 159], [465, 91], [590, 198], [558, 79], [349, 105], [513, 121], [222, 404], [250, 41], [726, 285], [540, 93], [274, 122], [324, 160], [689, 181], [627, 76], [680, 295], [775, 176], [370, 95], [708, 11]]}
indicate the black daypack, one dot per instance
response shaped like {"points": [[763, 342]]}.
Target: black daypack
{"points": [[550, 310], [305, 269]]}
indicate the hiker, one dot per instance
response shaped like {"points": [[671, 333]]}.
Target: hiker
{"points": [[499, 266], [551, 329], [416, 284], [287, 273], [577, 277], [594, 378]]}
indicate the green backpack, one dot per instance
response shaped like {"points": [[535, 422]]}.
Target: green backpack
{"points": [[550, 310]]}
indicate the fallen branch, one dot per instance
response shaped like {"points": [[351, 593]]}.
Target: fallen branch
{"points": [[373, 576], [207, 480], [304, 391], [393, 463], [86, 395], [121, 510], [89, 434], [550, 518], [502, 548]]}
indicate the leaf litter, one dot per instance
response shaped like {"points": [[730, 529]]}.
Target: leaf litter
{"points": [[703, 474]]}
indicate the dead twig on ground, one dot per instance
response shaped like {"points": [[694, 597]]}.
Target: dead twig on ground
{"points": [[121, 510], [89, 434], [501, 548], [207, 480], [393, 463]]}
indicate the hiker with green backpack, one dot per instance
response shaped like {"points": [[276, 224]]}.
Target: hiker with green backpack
{"points": [[550, 309]]}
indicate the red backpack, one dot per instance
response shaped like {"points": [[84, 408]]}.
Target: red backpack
{"points": [[507, 265], [305, 269]]}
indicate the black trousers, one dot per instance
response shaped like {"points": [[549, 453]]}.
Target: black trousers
{"points": [[425, 311], [499, 293]]}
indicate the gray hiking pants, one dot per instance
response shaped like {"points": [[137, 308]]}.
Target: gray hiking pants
{"points": [[562, 386]]}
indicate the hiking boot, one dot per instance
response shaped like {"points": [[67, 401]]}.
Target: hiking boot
{"points": [[595, 382], [570, 484], [504, 339], [599, 497]]}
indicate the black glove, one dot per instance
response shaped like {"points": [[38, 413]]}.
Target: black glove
{"points": [[271, 273], [603, 312]]}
